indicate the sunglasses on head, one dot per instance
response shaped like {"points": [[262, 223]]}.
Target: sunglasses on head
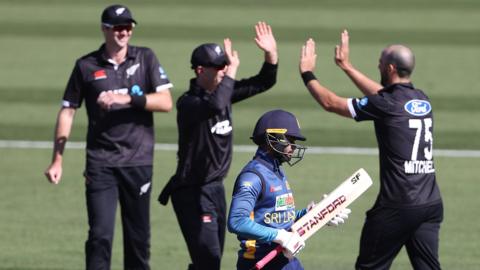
{"points": [[120, 27]]}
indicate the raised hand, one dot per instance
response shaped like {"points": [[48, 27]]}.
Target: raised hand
{"points": [[233, 59], [342, 52], [264, 37], [308, 57], [266, 41]]}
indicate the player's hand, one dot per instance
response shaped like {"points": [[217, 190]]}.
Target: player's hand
{"points": [[311, 205], [54, 172], [308, 57], [233, 59], [107, 99], [266, 41], [290, 241], [340, 218], [342, 52]]}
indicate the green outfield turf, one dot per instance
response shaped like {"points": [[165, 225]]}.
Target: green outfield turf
{"points": [[42, 39], [44, 226]]}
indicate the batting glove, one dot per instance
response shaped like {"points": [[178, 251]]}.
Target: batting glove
{"points": [[311, 205], [339, 218], [291, 242]]}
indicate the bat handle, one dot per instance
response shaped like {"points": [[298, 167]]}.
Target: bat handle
{"points": [[272, 254]]}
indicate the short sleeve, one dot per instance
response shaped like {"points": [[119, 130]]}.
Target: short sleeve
{"points": [[73, 95], [158, 75], [367, 108]]}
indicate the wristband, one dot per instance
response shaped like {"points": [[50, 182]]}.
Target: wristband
{"points": [[138, 101], [308, 76]]}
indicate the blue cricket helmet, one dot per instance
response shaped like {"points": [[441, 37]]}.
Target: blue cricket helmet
{"points": [[278, 130], [276, 121]]}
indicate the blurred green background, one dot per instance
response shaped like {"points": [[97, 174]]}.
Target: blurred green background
{"points": [[42, 39], [44, 226]]}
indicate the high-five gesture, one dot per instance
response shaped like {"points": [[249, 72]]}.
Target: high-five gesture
{"points": [[308, 57], [326, 98], [266, 41], [342, 52]]}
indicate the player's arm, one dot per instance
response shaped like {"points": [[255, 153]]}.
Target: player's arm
{"points": [[342, 59], [159, 101], [326, 98], [248, 188], [62, 132], [267, 76], [191, 108]]}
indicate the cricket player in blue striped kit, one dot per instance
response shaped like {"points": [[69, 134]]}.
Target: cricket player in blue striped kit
{"points": [[263, 208]]}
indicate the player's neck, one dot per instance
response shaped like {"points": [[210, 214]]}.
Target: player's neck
{"points": [[400, 80], [116, 53], [394, 78], [208, 85]]}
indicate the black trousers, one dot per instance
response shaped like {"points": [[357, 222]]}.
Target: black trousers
{"points": [[130, 186], [387, 230], [201, 214]]}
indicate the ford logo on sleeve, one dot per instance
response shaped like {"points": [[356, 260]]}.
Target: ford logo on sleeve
{"points": [[418, 107]]}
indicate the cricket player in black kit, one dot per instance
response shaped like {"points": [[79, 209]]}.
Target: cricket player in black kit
{"points": [[204, 118], [121, 86], [408, 210]]}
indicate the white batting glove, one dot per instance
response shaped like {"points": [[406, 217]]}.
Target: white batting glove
{"points": [[339, 218], [291, 242], [311, 205]]}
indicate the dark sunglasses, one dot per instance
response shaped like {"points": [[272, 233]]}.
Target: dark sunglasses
{"points": [[120, 27], [219, 67]]}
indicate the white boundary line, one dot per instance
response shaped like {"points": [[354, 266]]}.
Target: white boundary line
{"points": [[244, 148]]}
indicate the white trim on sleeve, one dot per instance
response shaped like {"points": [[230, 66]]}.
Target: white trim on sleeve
{"points": [[350, 107], [163, 87], [66, 104]]}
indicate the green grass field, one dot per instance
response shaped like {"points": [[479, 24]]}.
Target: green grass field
{"points": [[44, 226]]}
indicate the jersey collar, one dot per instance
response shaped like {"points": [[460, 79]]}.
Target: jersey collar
{"points": [[269, 162], [102, 53], [399, 85], [195, 88]]}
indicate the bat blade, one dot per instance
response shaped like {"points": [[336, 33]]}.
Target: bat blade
{"points": [[342, 196], [330, 206]]}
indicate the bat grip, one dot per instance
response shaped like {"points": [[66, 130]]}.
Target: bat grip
{"points": [[272, 254]]}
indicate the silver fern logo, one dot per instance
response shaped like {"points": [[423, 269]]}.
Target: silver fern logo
{"points": [[145, 188]]}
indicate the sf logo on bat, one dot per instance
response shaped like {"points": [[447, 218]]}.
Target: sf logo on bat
{"points": [[320, 215], [355, 178]]}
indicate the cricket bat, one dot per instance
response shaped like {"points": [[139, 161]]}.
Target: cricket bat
{"points": [[329, 207]]}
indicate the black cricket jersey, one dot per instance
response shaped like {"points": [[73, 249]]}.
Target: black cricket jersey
{"points": [[122, 136], [403, 121], [205, 126]]}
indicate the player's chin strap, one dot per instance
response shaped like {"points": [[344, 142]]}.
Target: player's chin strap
{"points": [[278, 142]]}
